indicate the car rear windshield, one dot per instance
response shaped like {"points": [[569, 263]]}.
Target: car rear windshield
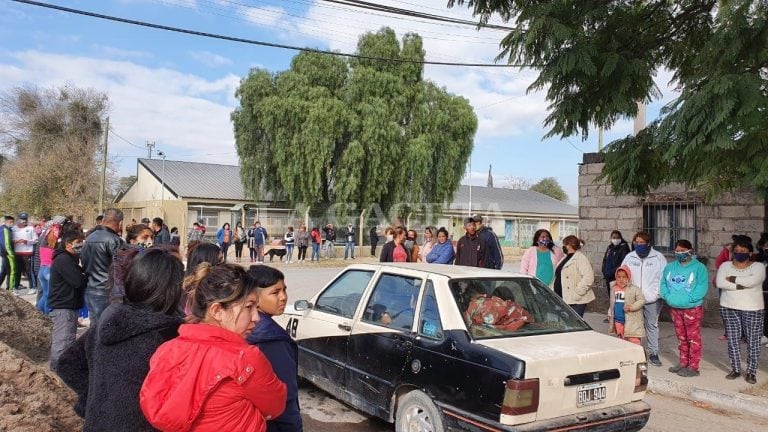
{"points": [[505, 307]]}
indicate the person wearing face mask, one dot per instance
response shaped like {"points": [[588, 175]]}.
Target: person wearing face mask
{"points": [[683, 287], [541, 258], [98, 253], [742, 307], [411, 245], [646, 265], [209, 378], [614, 256], [65, 293]]}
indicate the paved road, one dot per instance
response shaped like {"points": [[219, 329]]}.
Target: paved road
{"points": [[322, 413]]}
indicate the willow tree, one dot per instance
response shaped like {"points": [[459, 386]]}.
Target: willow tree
{"points": [[358, 132]]}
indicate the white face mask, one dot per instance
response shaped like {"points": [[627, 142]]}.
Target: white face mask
{"points": [[616, 242]]}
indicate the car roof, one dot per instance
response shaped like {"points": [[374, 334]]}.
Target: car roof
{"points": [[451, 271]]}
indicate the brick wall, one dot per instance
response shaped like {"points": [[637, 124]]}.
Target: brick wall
{"points": [[600, 212]]}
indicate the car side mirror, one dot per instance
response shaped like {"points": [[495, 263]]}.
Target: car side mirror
{"points": [[302, 305]]}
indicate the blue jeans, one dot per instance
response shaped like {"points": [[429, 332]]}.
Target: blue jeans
{"points": [[350, 246], [315, 252], [45, 285], [289, 251], [96, 303]]}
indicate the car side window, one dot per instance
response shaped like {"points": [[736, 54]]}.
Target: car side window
{"points": [[344, 294], [429, 317], [393, 302]]}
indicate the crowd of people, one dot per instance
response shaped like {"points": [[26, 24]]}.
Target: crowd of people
{"points": [[168, 347], [180, 348]]}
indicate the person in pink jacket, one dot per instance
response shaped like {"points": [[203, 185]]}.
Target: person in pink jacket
{"points": [[540, 260]]}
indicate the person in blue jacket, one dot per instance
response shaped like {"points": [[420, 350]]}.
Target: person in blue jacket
{"points": [[442, 252], [276, 344], [684, 284]]}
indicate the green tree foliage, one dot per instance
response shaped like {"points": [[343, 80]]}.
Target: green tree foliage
{"points": [[360, 132], [52, 142], [597, 59], [550, 187]]}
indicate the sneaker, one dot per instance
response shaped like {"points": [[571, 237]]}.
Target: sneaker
{"points": [[764, 340], [676, 369], [606, 320], [688, 372], [751, 378], [654, 360], [733, 375], [15, 293], [31, 291]]}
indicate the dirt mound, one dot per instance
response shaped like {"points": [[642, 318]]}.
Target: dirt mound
{"points": [[24, 328], [32, 398]]}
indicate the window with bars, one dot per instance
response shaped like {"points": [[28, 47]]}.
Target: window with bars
{"points": [[669, 222]]}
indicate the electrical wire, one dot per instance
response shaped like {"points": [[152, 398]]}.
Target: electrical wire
{"points": [[257, 42], [112, 131]]}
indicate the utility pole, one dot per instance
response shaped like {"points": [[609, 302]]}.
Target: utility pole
{"points": [[105, 139], [150, 146]]}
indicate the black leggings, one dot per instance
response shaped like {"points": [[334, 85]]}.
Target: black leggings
{"points": [[238, 249], [302, 253], [224, 250]]}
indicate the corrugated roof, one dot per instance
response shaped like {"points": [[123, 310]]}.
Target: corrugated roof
{"points": [[198, 180], [510, 201], [213, 181]]}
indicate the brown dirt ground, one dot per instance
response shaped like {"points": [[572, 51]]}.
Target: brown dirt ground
{"points": [[32, 398]]}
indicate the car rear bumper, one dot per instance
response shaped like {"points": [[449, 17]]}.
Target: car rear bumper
{"points": [[628, 417]]}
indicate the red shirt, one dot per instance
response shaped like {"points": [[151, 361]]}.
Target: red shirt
{"points": [[399, 254], [210, 379]]}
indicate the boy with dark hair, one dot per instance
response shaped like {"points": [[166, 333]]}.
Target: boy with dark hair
{"points": [[276, 344], [65, 294]]}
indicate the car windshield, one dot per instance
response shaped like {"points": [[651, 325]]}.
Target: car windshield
{"points": [[511, 307]]}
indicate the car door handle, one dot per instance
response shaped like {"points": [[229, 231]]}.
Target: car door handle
{"points": [[345, 326]]}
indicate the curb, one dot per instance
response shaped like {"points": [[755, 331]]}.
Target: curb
{"points": [[738, 402]]}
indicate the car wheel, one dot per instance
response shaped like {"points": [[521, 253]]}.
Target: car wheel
{"points": [[417, 413]]}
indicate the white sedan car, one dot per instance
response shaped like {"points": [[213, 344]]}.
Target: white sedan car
{"points": [[442, 348]]}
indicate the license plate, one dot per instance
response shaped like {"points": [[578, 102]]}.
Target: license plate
{"points": [[590, 394]]}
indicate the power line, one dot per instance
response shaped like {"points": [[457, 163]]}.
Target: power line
{"points": [[415, 14], [256, 42], [112, 130]]}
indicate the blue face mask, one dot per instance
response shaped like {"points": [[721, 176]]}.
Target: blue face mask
{"points": [[683, 256], [741, 257], [642, 249]]}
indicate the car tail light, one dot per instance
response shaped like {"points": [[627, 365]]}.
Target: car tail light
{"points": [[521, 397], [641, 377]]}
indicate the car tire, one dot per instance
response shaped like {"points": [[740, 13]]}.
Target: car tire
{"points": [[417, 413]]}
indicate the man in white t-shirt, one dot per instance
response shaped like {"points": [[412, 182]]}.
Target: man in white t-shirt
{"points": [[24, 239]]}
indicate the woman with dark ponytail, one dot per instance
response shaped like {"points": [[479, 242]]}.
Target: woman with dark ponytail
{"points": [[209, 378]]}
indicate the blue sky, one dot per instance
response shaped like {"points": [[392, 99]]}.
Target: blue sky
{"points": [[178, 90]]}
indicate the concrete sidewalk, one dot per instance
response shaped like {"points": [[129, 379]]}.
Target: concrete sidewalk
{"points": [[711, 386]]}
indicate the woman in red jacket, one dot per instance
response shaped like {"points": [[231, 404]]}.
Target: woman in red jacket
{"points": [[209, 378]]}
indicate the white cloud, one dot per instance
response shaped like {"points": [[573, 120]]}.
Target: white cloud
{"points": [[187, 115], [113, 52], [266, 16], [210, 59]]}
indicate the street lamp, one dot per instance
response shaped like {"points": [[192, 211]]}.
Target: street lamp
{"points": [[162, 178]]}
